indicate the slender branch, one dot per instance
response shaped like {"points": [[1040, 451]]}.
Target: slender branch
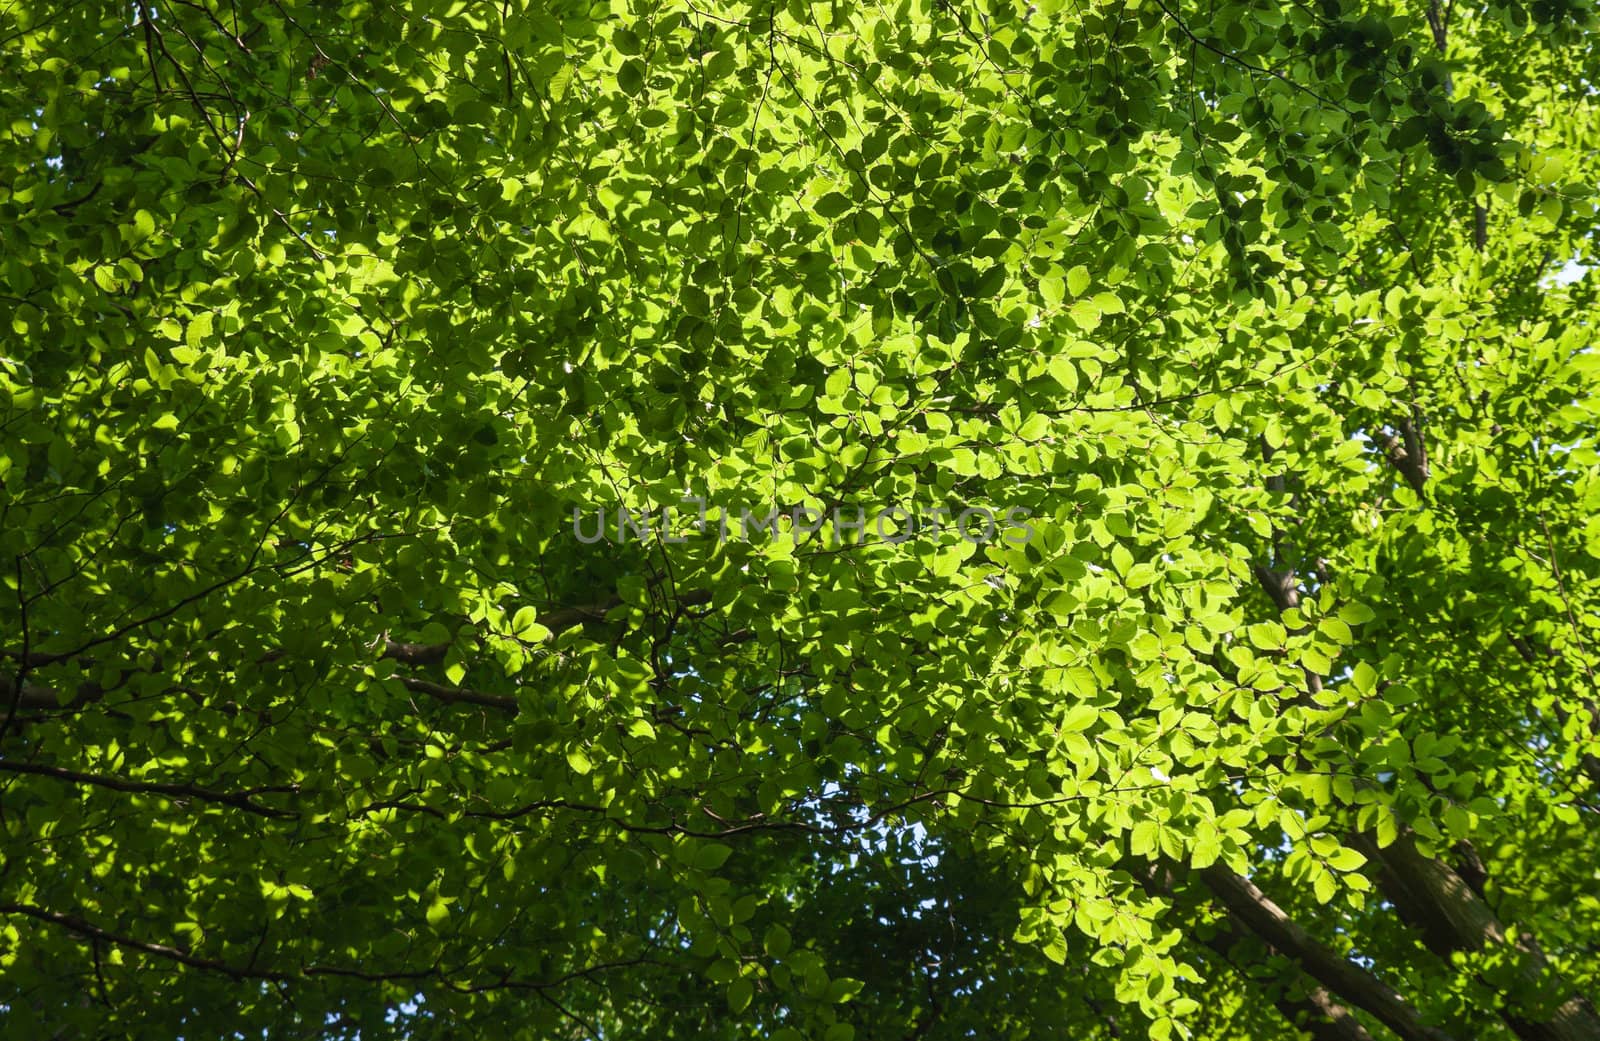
{"points": [[95, 933], [241, 800]]}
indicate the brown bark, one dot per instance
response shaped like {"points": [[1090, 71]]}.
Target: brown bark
{"points": [[1453, 917], [1318, 1013], [1340, 976], [1409, 453]]}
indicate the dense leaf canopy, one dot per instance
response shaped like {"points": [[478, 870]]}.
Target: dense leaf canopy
{"points": [[799, 520]]}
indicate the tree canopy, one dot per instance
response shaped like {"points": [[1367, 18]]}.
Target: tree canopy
{"points": [[799, 520]]}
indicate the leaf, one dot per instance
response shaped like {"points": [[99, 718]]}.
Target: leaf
{"points": [[1056, 950], [1065, 373], [1079, 718], [834, 204], [1108, 303], [843, 989], [631, 76], [1334, 629], [1345, 859], [525, 626], [1394, 301], [740, 991], [777, 941], [198, 331], [711, 856], [1356, 613]]}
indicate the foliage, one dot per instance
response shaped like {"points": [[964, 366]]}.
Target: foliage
{"points": [[325, 321]]}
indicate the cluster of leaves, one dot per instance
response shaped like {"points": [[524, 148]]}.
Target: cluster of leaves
{"points": [[322, 322]]}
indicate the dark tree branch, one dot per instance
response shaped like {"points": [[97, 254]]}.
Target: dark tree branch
{"points": [[1256, 912], [240, 800]]}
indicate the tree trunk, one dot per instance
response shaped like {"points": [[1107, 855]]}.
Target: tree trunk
{"points": [[1318, 1013], [1340, 976], [1453, 917]]}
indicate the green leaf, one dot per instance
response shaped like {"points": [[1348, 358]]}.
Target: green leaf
{"points": [[777, 941], [631, 76], [711, 856], [834, 204], [1356, 613], [525, 625], [1065, 373], [740, 991], [1345, 859], [1079, 718]]}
